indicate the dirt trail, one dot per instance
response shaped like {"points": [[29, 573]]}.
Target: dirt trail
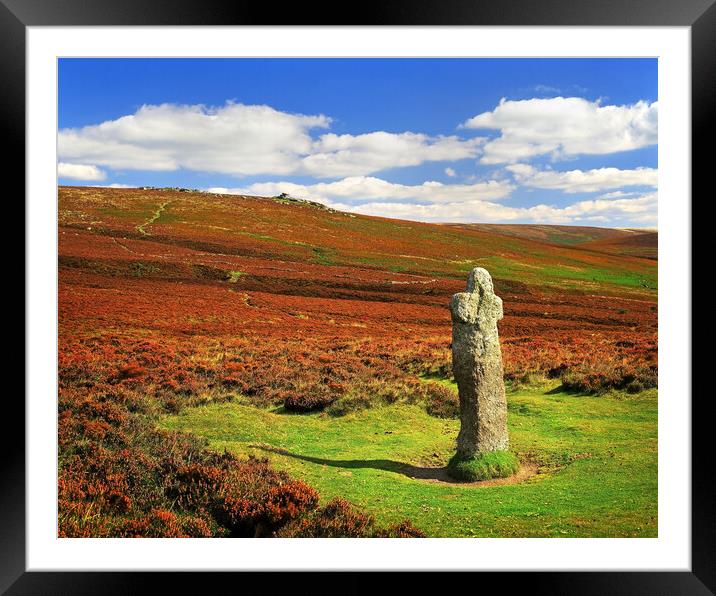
{"points": [[125, 247], [157, 214]]}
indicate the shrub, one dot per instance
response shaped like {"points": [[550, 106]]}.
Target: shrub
{"points": [[246, 497], [192, 486], [598, 378], [375, 392], [442, 401], [339, 519], [160, 523], [484, 466], [404, 529], [287, 501]]}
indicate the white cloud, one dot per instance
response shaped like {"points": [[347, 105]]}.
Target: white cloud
{"points": [[583, 181], [362, 188], [77, 171], [232, 139], [470, 203], [564, 126], [466, 212], [637, 211], [249, 140], [354, 155], [238, 139]]}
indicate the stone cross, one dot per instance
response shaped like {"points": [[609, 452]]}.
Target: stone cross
{"points": [[477, 367]]}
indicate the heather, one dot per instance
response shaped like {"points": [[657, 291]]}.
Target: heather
{"points": [[182, 312]]}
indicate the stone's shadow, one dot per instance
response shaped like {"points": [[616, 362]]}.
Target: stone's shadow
{"points": [[555, 390], [282, 411], [569, 391], [416, 472]]}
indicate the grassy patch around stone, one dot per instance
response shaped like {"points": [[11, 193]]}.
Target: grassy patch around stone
{"points": [[484, 466]]}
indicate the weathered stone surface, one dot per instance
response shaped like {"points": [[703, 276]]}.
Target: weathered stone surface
{"points": [[477, 366]]}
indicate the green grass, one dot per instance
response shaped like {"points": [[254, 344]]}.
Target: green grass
{"points": [[597, 460], [140, 269], [605, 276], [572, 274], [323, 256], [485, 466]]}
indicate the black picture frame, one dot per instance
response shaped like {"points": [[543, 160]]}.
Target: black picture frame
{"points": [[699, 15]]}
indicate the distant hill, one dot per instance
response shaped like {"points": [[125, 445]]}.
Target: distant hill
{"points": [[559, 257], [552, 234], [618, 241], [639, 244]]}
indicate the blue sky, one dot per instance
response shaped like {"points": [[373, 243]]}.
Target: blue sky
{"points": [[505, 140]]}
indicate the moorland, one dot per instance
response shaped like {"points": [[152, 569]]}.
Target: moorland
{"points": [[265, 366]]}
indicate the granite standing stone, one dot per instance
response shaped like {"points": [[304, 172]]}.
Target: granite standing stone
{"points": [[477, 366]]}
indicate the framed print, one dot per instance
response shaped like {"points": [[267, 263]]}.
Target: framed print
{"points": [[385, 293]]}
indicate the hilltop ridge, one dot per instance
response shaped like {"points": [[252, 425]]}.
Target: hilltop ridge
{"points": [[307, 232]]}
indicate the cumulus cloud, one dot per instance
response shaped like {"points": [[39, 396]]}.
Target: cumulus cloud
{"points": [[465, 212], [469, 203], [352, 155], [243, 139], [77, 171], [641, 209], [583, 181], [564, 126], [365, 188], [232, 139], [237, 139]]}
